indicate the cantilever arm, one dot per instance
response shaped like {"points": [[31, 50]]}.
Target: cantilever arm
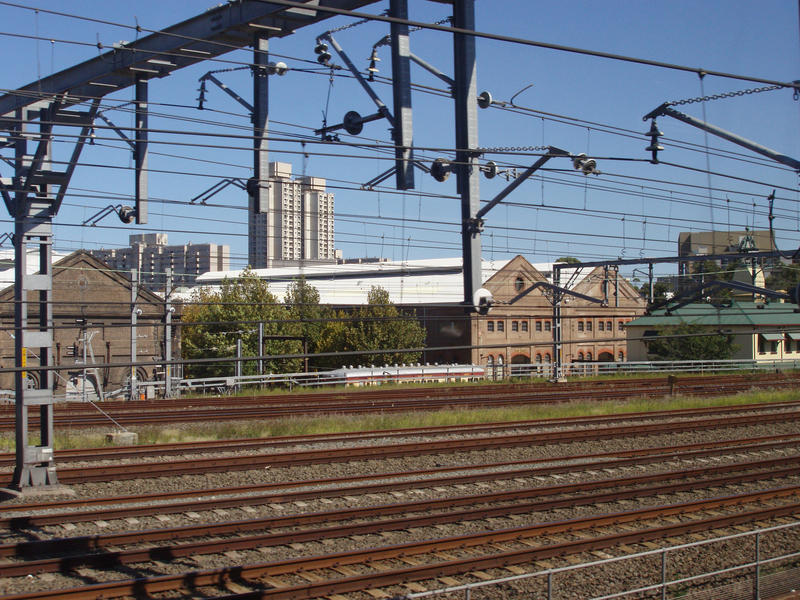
{"points": [[666, 109]]}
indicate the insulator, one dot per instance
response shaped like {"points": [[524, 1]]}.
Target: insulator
{"points": [[353, 123], [577, 161], [126, 214], [321, 48], [589, 166], [440, 169], [484, 100]]}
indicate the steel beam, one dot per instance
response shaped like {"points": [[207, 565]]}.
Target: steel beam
{"points": [[260, 123], [140, 150], [224, 28], [466, 167], [258, 187], [401, 88], [667, 110]]}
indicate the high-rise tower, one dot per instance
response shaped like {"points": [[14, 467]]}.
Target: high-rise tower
{"points": [[298, 224]]}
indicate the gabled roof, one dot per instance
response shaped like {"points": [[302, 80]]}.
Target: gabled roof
{"points": [[592, 285], [750, 314], [81, 259]]}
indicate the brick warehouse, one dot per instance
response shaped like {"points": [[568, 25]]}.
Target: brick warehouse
{"points": [[93, 301]]}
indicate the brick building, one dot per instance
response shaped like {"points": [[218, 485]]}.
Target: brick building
{"points": [[92, 309], [519, 328]]}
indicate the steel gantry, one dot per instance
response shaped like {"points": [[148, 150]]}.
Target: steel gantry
{"points": [[71, 98]]}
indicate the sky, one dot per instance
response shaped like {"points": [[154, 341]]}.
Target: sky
{"points": [[578, 103]]}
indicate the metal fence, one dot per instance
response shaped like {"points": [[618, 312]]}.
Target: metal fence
{"points": [[592, 369], [233, 383], [764, 573]]}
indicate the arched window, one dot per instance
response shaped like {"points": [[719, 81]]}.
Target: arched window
{"points": [[580, 356], [539, 358], [621, 325], [519, 283], [589, 356], [489, 360], [621, 356], [547, 357]]}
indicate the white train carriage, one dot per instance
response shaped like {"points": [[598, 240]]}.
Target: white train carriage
{"points": [[372, 375]]}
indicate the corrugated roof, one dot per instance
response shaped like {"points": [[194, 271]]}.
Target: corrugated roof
{"points": [[738, 313], [426, 281]]}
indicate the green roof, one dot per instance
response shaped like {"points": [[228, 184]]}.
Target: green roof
{"points": [[738, 313]]}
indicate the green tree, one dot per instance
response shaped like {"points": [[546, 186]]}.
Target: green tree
{"points": [[784, 277], [660, 290], [375, 327], [308, 316], [687, 341], [218, 318], [568, 259]]}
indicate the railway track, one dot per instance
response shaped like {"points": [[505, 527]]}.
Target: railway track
{"points": [[255, 444], [322, 575], [378, 452], [395, 400], [68, 554], [410, 510], [299, 491]]}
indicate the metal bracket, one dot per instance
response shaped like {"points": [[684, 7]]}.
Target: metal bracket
{"points": [[474, 225]]}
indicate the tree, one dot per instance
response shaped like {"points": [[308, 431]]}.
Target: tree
{"points": [[687, 341], [568, 259], [378, 326], [308, 316], [784, 277], [219, 318], [660, 291]]}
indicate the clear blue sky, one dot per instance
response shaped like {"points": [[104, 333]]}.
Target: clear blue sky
{"points": [[588, 104]]}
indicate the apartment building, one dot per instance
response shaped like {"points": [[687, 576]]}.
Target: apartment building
{"points": [[297, 226]]}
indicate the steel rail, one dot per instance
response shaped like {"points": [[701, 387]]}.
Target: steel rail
{"points": [[441, 511], [131, 414], [339, 486], [375, 452], [197, 579], [177, 448], [110, 512]]}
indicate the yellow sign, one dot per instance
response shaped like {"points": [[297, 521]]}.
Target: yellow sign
{"points": [[24, 363]]}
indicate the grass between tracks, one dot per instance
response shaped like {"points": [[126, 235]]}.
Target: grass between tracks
{"points": [[81, 438]]}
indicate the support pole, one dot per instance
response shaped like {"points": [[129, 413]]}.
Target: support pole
{"points": [[467, 171], [238, 368], [260, 347], [140, 150], [134, 391], [168, 310], [401, 87], [557, 296], [260, 221], [33, 225]]}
